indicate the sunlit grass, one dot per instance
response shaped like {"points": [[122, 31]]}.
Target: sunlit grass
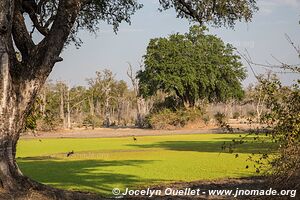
{"points": [[101, 164]]}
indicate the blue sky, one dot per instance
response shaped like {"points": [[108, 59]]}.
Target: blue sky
{"points": [[264, 38]]}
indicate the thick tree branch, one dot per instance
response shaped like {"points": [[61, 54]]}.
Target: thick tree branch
{"points": [[20, 33], [51, 46], [187, 8], [49, 21], [42, 29]]}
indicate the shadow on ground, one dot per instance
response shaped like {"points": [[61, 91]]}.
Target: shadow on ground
{"points": [[210, 146], [90, 175]]}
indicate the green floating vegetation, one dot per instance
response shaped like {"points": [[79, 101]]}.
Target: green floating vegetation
{"points": [[101, 164]]}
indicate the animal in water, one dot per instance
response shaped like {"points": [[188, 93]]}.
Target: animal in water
{"points": [[134, 138]]}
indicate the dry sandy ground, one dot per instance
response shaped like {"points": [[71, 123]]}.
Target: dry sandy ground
{"points": [[126, 132], [120, 132], [115, 132]]}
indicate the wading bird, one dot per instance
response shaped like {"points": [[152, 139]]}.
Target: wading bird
{"points": [[70, 153]]}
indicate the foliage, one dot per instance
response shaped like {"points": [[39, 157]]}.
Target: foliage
{"points": [[236, 115], [166, 118], [217, 12], [206, 119], [108, 91], [106, 96], [284, 116], [192, 66], [258, 94], [39, 120], [33, 117], [220, 118], [48, 122], [251, 115], [93, 121], [94, 12], [114, 12], [170, 102]]}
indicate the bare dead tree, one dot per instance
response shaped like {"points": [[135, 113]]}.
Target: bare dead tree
{"points": [[139, 101]]}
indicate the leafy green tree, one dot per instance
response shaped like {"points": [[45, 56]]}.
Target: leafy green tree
{"points": [[192, 66], [215, 12]]}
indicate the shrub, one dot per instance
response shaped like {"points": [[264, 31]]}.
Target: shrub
{"points": [[168, 119], [284, 116], [220, 118], [236, 115], [93, 121], [171, 103], [222, 122], [251, 114], [206, 119], [48, 122]]}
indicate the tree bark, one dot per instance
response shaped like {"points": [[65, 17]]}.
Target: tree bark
{"points": [[106, 112], [139, 101], [9, 107], [62, 105], [15, 101], [20, 81], [92, 107], [68, 109]]}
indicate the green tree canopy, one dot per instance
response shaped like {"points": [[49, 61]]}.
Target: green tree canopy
{"points": [[192, 66]]}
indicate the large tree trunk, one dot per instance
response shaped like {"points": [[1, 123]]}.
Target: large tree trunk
{"points": [[20, 81], [9, 107], [13, 109]]}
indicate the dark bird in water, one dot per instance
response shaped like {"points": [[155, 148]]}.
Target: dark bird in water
{"points": [[134, 138], [40, 140], [70, 153]]}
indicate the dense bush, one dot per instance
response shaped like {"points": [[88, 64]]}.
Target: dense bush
{"points": [[251, 114], [220, 118], [284, 116], [48, 122], [93, 121], [169, 119], [236, 115], [206, 119], [171, 103]]}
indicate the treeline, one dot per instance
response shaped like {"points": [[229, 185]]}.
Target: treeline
{"points": [[105, 102], [108, 102], [184, 78]]}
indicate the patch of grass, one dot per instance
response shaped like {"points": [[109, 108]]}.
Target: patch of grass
{"points": [[101, 164]]}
